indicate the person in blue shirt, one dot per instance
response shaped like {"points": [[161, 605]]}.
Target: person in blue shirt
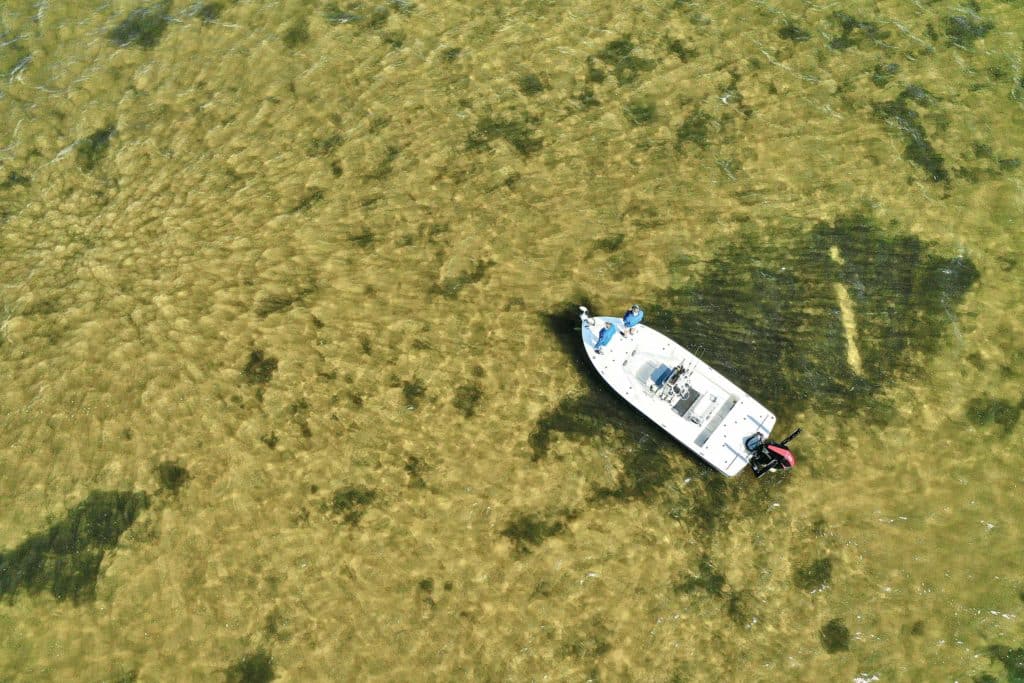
{"points": [[606, 334], [632, 318]]}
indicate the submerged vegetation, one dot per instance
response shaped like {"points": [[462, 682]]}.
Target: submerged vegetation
{"points": [[741, 606], [336, 16], [92, 149], [450, 287], [519, 133], [791, 31], [695, 129], [527, 531], [835, 637], [680, 50], [573, 416], [530, 85], [588, 643], [260, 368], [899, 115], [352, 502], [210, 12], [985, 410], [297, 34], [610, 243], [814, 576], [66, 558], [415, 468], [142, 27], [853, 30], [620, 55], [901, 293], [964, 29], [312, 196], [640, 112], [15, 179], [255, 667], [1011, 659], [707, 579], [413, 391], [883, 73], [467, 398], [171, 475], [321, 147], [645, 465]]}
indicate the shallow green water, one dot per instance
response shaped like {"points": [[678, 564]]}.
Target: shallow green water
{"points": [[290, 377]]}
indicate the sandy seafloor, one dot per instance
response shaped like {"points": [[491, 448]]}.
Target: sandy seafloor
{"points": [[289, 385]]}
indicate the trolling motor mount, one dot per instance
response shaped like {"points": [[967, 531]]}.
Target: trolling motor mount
{"points": [[766, 456]]}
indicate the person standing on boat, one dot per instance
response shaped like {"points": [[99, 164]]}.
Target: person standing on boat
{"points": [[606, 335], [632, 318]]}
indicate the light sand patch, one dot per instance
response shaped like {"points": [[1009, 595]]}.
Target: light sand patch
{"points": [[848, 318]]}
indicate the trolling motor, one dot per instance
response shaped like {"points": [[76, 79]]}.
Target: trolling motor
{"points": [[585, 316], [766, 456]]}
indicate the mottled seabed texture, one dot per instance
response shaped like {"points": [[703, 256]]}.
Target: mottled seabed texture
{"points": [[289, 379]]}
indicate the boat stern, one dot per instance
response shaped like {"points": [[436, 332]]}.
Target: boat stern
{"points": [[725, 447]]}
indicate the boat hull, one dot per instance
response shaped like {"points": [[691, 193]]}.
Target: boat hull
{"points": [[679, 392]]}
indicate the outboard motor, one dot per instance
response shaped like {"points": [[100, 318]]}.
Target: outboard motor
{"points": [[766, 456]]}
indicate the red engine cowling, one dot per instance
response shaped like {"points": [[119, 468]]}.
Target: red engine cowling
{"points": [[766, 456]]}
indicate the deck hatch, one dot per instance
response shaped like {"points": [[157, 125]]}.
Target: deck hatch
{"points": [[714, 422]]}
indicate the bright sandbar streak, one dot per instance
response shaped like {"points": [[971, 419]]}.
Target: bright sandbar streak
{"points": [[849, 321]]}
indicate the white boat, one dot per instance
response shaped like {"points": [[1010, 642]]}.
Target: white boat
{"points": [[686, 397]]}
